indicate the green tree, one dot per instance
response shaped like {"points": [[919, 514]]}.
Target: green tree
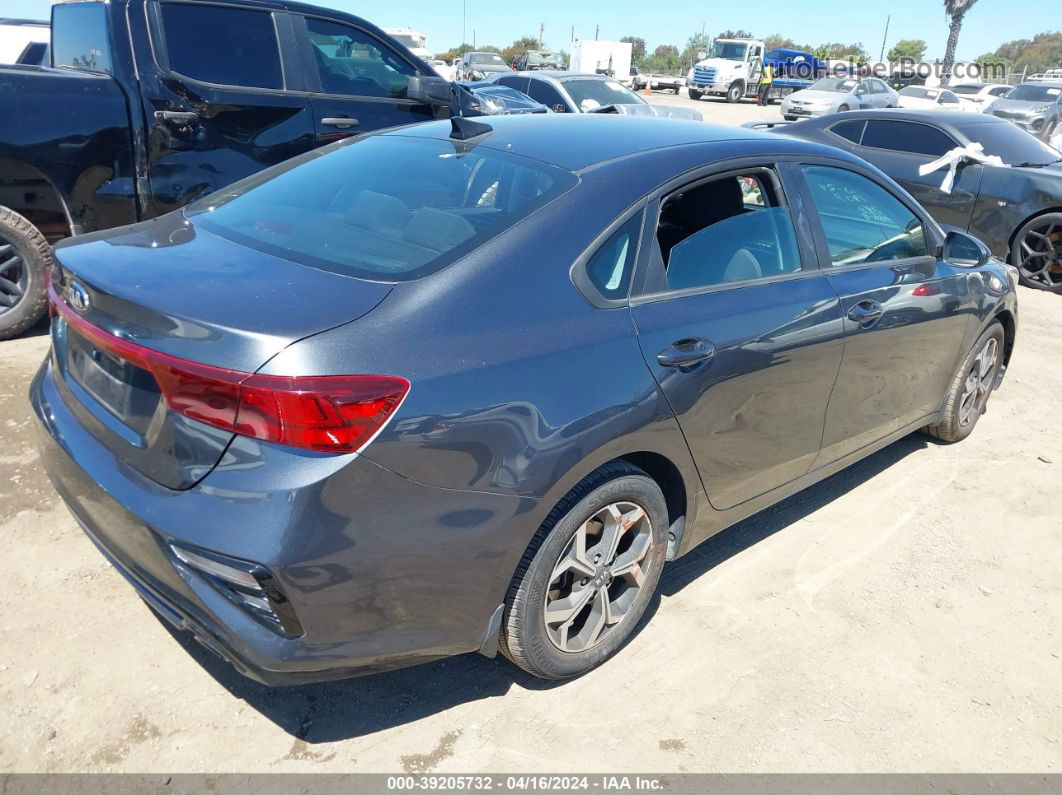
{"points": [[735, 34], [637, 46], [914, 49], [696, 43], [1042, 51], [777, 41], [510, 53], [955, 10]]}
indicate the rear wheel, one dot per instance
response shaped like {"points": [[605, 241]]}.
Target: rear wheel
{"points": [[24, 257], [842, 108], [587, 578], [1037, 253], [694, 94], [971, 387], [735, 93]]}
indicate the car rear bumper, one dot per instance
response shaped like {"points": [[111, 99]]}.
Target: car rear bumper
{"points": [[401, 583]]}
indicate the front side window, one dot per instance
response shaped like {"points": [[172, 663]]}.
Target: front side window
{"points": [[351, 63], [218, 44], [904, 136], [730, 229], [862, 221], [79, 37], [541, 91], [385, 208], [611, 266]]}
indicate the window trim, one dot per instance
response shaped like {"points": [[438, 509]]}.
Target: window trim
{"points": [[581, 279], [309, 64], [934, 234], [161, 55], [901, 151], [775, 166]]}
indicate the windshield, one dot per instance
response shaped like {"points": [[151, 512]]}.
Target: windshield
{"points": [[839, 84], [1030, 92], [539, 58], [730, 50], [915, 91], [590, 94], [385, 208], [1012, 144], [485, 57]]}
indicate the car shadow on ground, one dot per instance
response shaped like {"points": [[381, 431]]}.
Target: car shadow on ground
{"points": [[332, 711]]}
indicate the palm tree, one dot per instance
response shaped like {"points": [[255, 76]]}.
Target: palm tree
{"points": [[955, 10]]}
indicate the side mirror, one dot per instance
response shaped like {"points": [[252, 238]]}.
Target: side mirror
{"points": [[965, 250], [430, 90]]}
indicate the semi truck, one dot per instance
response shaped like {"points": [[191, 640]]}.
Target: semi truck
{"points": [[732, 69]]}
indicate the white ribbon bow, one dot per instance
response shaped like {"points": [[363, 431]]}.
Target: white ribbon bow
{"points": [[951, 160]]}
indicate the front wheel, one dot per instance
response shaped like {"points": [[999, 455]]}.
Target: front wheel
{"points": [[588, 576], [842, 108], [694, 94], [735, 93], [25, 257], [971, 387], [1037, 253]]}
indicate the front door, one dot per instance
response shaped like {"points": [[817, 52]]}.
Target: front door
{"points": [[359, 81], [741, 331], [223, 102], [905, 312]]}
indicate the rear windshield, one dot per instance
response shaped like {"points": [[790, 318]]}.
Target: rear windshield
{"points": [[385, 208]]}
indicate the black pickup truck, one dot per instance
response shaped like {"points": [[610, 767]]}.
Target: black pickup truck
{"points": [[149, 104]]}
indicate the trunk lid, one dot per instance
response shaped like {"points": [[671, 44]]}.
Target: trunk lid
{"points": [[174, 288]]}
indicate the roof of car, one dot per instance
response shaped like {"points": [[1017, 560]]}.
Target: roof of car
{"points": [[955, 118], [578, 141], [560, 75]]}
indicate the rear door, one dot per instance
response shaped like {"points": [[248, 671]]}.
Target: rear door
{"points": [[223, 98], [358, 80], [905, 311], [740, 329]]}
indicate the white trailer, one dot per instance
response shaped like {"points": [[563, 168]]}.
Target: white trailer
{"points": [[612, 58]]}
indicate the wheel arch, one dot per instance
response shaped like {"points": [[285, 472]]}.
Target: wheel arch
{"points": [[1006, 319]]}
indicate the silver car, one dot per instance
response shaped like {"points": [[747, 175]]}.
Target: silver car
{"points": [[836, 95], [1034, 106], [573, 92]]}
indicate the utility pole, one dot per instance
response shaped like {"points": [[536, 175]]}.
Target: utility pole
{"points": [[573, 34], [884, 38], [597, 29], [541, 30], [464, 20]]}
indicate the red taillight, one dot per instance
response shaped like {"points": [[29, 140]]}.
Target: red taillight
{"points": [[331, 414], [926, 289]]}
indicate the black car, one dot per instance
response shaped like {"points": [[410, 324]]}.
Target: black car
{"points": [[468, 385], [1016, 208]]}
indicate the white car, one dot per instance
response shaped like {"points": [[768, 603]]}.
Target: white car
{"points": [[978, 96], [922, 98], [441, 68]]}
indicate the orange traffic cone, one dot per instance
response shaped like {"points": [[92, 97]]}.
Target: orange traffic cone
{"points": [[647, 90]]}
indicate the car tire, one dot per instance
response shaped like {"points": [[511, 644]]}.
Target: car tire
{"points": [[1049, 131], [735, 93], [971, 387], [25, 257], [842, 108], [559, 566], [694, 95], [1042, 233]]}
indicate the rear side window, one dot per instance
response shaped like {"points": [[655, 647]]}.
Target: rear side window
{"points": [[610, 268], [384, 208], [730, 229], [352, 63], [863, 222], [850, 130], [79, 37], [903, 136], [218, 44]]}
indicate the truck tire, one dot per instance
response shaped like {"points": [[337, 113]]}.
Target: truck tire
{"points": [[24, 257], [694, 94], [735, 92]]}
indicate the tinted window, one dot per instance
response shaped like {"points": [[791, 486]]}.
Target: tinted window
{"points": [[216, 44], [387, 208], [999, 91], [902, 136], [852, 130], [1012, 144], [79, 37], [863, 222], [543, 92], [731, 229], [611, 265], [352, 63], [947, 98]]}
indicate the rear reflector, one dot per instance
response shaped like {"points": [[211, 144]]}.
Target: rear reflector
{"points": [[330, 414]]}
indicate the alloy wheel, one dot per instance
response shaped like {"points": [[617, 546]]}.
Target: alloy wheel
{"points": [[598, 577], [14, 276], [978, 382], [1040, 255]]}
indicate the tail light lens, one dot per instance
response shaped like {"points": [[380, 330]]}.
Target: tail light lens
{"points": [[926, 289], [330, 414]]}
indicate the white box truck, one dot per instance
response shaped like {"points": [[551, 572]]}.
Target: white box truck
{"points": [[612, 58]]}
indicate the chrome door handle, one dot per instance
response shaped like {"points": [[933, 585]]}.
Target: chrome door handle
{"points": [[686, 352], [339, 121], [866, 313]]}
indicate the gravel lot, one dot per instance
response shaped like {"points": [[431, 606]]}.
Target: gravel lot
{"points": [[904, 615]]}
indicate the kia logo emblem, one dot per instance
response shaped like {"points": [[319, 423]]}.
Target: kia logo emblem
{"points": [[79, 297]]}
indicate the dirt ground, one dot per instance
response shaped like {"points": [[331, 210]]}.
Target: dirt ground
{"points": [[905, 615]]}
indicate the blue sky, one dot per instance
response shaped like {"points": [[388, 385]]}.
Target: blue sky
{"points": [[988, 24]]}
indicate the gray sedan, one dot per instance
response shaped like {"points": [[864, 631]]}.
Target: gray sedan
{"points": [[1035, 107], [573, 92], [836, 95]]}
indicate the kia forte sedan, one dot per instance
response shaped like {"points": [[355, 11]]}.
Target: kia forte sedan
{"points": [[458, 387]]}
